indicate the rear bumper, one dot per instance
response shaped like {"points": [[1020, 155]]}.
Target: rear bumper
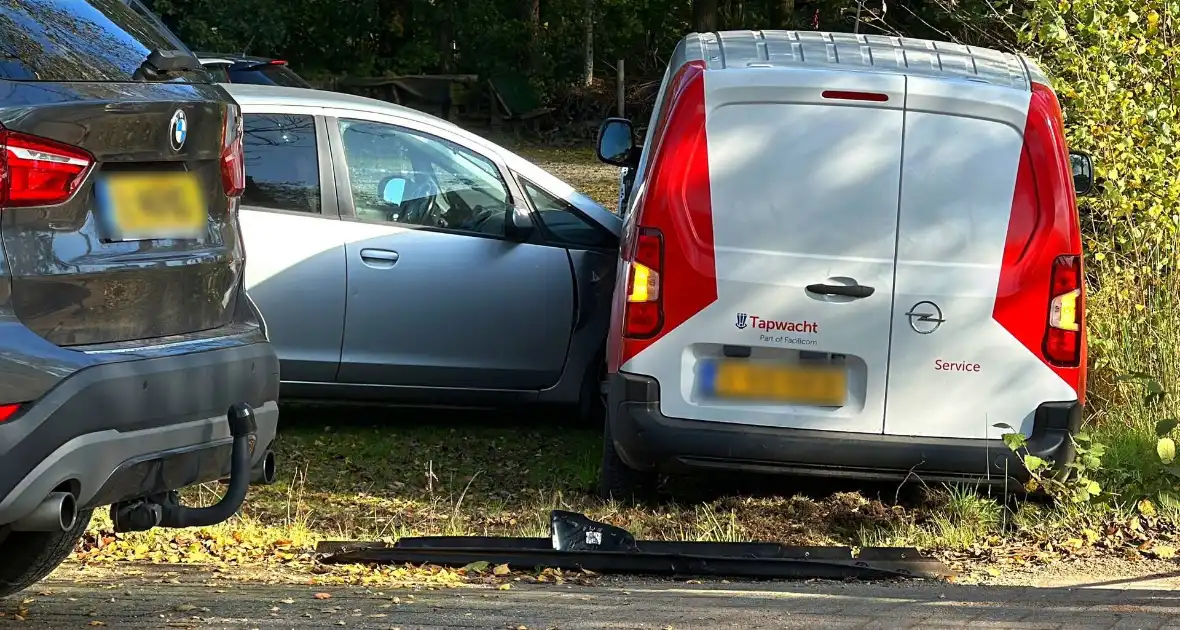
{"points": [[123, 430], [646, 439]]}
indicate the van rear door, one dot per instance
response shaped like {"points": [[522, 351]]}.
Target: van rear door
{"points": [[970, 236], [804, 170]]}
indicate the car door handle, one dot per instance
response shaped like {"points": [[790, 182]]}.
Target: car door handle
{"points": [[845, 290], [378, 258]]}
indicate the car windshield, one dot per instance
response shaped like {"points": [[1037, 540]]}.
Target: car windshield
{"points": [[80, 40]]}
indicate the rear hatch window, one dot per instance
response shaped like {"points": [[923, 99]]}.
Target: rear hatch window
{"points": [[81, 40]]}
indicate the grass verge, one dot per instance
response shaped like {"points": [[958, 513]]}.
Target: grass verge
{"points": [[386, 474]]}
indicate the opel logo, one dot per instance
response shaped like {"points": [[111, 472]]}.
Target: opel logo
{"points": [[925, 317], [178, 130]]}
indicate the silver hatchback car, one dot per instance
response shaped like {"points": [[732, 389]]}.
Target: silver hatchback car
{"points": [[397, 257]]}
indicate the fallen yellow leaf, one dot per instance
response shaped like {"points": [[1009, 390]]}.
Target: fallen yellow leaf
{"points": [[501, 569], [1164, 552], [504, 587]]}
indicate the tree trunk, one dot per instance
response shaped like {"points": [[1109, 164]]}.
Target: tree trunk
{"points": [[588, 49], [532, 15], [704, 15], [781, 13], [446, 35]]}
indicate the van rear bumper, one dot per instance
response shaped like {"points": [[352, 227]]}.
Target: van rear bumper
{"points": [[645, 439]]}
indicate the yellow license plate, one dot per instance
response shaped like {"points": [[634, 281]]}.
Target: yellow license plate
{"points": [[814, 385], [156, 205]]}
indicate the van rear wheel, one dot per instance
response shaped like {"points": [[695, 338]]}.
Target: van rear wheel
{"points": [[27, 557], [620, 482]]}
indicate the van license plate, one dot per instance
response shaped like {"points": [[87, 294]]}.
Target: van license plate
{"points": [[816, 385], [142, 206]]}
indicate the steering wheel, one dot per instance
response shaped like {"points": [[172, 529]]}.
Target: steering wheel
{"points": [[482, 217], [421, 202]]}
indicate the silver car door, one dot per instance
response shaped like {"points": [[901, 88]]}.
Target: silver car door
{"points": [[295, 268], [439, 294]]}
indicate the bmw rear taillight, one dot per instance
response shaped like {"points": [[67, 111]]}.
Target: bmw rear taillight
{"points": [[1063, 337], [39, 172], [233, 163], [644, 310]]}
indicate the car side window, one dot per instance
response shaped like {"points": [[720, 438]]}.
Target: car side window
{"points": [[282, 164], [562, 221], [403, 176]]}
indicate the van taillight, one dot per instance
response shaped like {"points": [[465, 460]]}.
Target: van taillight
{"points": [[644, 312], [1063, 337], [39, 172], [233, 163]]}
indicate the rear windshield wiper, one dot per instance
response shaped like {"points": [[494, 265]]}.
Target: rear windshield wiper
{"points": [[160, 63]]}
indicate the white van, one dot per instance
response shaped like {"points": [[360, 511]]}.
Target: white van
{"points": [[845, 255]]}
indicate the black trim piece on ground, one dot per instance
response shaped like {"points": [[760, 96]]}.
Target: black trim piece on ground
{"points": [[578, 543]]}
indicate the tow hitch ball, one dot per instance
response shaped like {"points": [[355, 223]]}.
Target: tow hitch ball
{"points": [[165, 510]]}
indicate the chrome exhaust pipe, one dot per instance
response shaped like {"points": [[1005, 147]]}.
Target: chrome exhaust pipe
{"points": [[266, 471], [57, 513]]}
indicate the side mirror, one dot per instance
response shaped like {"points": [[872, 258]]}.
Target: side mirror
{"points": [[1083, 173], [519, 226], [616, 142], [392, 190]]}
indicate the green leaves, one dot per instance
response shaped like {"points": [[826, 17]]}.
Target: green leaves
{"points": [[1166, 449], [1034, 463]]}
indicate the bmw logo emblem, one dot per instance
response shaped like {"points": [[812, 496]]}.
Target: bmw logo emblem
{"points": [[178, 130]]}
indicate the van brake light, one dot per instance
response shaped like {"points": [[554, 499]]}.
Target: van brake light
{"points": [[644, 309], [1063, 338], [849, 95]]}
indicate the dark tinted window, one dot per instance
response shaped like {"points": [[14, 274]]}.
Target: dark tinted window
{"points": [[269, 74], [78, 40], [282, 165], [219, 72], [563, 222]]}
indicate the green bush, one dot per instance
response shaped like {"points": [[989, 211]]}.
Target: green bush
{"points": [[1114, 65]]}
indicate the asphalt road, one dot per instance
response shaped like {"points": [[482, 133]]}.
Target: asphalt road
{"points": [[194, 601]]}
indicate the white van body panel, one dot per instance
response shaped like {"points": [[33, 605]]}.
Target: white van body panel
{"points": [[911, 196], [962, 150], [779, 225]]}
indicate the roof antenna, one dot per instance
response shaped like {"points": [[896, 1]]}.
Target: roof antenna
{"points": [[251, 42], [860, 4]]}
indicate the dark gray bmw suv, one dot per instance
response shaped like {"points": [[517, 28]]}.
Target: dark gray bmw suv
{"points": [[132, 362]]}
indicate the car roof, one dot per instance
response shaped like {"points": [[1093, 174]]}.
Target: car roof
{"points": [[249, 94], [864, 53]]}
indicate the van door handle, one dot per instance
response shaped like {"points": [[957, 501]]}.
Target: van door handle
{"points": [[852, 291], [378, 258]]}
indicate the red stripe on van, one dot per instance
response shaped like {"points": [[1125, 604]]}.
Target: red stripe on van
{"points": [[676, 202], [1043, 224]]}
